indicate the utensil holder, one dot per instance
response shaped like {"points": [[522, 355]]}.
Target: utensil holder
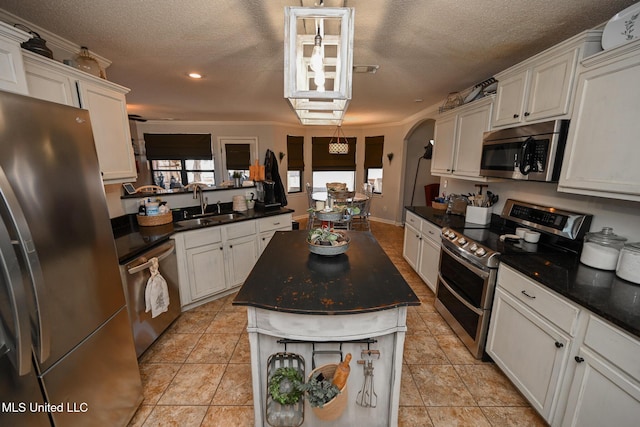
{"points": [[478, 215]]}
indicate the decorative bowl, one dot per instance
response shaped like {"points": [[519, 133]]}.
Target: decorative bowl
{"points": [[329, 250], [329, 215]]}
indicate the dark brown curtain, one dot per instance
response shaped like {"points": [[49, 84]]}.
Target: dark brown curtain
{"points": [[238, 156], [322, 160], [164, 146], [295, 152], [373, 148]]}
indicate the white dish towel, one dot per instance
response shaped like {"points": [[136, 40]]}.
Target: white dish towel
{"points": [[156, 294]]}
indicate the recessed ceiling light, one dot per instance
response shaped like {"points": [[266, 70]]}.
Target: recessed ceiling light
{"points": [[418, 100], [368, 69], [195, 75]]}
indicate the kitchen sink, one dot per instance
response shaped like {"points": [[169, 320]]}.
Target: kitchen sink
{"points": [[208, 219]]}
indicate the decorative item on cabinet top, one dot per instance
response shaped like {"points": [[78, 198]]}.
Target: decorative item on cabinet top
{"points": [[35, 44], [622, 28]]}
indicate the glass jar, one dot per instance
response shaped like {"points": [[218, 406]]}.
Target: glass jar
{"points": [[87, 63], [601, 249], [629, 263]]}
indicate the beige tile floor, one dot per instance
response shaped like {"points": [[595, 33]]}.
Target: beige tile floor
{"points": [[198, 372]]}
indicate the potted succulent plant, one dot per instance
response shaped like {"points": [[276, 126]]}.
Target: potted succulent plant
{"points": [[237, 179], [325, 242]]}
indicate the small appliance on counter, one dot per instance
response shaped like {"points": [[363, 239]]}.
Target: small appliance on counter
{"points": [[266, 195]]}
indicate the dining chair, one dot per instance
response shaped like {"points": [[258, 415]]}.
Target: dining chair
{"points": [[344, 200], [313, 221]]}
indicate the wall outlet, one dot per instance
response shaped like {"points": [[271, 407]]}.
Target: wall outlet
{"points": [[445, 183]]}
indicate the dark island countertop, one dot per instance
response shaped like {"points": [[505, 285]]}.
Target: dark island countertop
{"points": [[600, 292], [132, 240], [289, 278]]}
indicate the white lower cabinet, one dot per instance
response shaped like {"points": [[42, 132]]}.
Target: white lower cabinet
{"points": [[605, 389], [573, 367], [421, 248], [213, 261], [528, 349]]}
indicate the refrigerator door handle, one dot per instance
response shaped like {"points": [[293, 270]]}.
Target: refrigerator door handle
{"points": [[30, 256], [18, 347]]}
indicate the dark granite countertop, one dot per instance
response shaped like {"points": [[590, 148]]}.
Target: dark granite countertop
{"points": [[132, 240], [361, 280], [601, 292]]}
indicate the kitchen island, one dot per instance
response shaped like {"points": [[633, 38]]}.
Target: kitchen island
{"points": [[322, 308]]}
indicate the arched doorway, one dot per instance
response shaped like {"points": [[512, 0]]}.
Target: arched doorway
{"points": [[417, 167]]}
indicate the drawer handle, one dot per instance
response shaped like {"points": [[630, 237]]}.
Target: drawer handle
{"points": [[527, 295], [276, 223], [431, 232], [559, 344], [579, 359]]}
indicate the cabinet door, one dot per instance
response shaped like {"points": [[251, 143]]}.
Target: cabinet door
{"points": [[602, 153], [428, 262], [550, 87], [12, 77], [242, 254], [50, 85], [601, 396], [510, 99], [110, 124], [411, 247], [470, 126], [266, 237], [445, 133], [205, 265], [530, 351]]}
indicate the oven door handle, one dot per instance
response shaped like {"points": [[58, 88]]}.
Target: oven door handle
{"points": [[476, 310], [477, 271], [147, 264]]}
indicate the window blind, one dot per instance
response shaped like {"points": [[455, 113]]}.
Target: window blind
{"points": [[322, 160], [162, 146], [373, 148], [295, 152]]}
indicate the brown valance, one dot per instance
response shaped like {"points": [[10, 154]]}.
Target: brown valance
{"points": [[295, 152], [373, 148], [171, 146], [322, 160]]}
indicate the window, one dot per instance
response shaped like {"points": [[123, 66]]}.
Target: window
{"points": [[179, 159], [332, 167], [295, 163], [373, 148], [238, 153]]}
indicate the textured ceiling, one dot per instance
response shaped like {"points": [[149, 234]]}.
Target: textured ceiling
{"points": [[425, 49]]}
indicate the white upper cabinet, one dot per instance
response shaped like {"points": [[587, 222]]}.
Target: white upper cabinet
{"points": [[55, 82], [601, 157], [11, 64], [458, 140], [541, 87]]}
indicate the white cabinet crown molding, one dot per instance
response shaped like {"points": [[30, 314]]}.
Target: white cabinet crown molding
{"points": [[61, 47]]}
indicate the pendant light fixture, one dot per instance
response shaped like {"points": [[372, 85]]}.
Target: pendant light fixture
{"points": [[338, 144], [318, 62]]}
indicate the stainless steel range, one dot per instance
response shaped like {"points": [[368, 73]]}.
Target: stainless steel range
{"points": [[469, 260]]}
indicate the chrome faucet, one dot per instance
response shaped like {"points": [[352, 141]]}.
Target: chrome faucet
{"points": [[198, 194], [218, 205]]}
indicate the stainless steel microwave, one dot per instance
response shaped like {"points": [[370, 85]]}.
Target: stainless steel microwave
{"points": [[531, 152]]}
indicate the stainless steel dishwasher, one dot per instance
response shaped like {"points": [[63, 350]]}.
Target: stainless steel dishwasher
{"points": [[135, 275]]}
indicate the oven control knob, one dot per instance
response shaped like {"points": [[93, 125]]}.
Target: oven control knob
{"points": [[451, 235], [481, 252], [473, 247], [462, 241]]}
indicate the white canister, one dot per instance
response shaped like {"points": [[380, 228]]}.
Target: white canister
{"points": [[628, 267]]}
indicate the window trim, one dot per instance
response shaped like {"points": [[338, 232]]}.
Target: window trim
{"points": [[295, 159], [223, 170]]}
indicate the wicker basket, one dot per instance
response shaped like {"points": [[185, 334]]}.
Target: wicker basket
{"points": [[439, 206], [335, 407], [153, 220]]}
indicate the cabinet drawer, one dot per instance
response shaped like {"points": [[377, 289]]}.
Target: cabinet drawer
{"points": [[414, 221], [274, 223], [241, 229], [431, 231], [614, 345], [193, 239], [560, 312]]}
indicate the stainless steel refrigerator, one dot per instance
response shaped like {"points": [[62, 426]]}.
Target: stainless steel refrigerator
{"points": [[66, 349]]}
